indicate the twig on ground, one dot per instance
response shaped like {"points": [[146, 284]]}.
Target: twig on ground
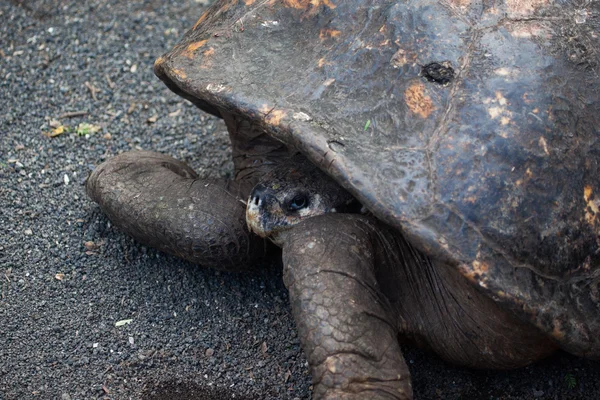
{"points": [[73, 114], [93, 90], [111, 84]]}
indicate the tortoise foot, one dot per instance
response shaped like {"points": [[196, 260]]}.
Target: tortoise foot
{"points": [[162, 203]]}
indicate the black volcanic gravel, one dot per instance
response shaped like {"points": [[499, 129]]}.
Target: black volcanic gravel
{"points": [[67, 276]]}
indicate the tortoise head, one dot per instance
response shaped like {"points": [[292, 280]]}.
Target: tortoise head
{"points": [[295, 191]]}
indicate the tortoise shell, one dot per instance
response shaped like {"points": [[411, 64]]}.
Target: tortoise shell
{"points": [[471, 126]]}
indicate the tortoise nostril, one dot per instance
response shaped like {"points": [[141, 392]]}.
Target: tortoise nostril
{"points": [[259, 195]]}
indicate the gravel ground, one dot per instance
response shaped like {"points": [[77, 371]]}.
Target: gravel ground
{"points": [[67, 276]]}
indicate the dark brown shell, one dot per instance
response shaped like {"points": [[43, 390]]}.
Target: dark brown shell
{"points": [[473, 126]]}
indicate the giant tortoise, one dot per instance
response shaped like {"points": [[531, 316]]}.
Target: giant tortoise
{"points": [[429, 168]]}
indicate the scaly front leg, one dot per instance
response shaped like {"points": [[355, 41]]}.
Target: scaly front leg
{"points": [[344, 322], [162, 203]]}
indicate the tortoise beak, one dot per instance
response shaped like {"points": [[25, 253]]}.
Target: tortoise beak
{"points": [[254, 217], [258, 215]]}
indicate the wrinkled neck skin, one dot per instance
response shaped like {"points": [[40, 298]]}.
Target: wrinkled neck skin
{"points": [[254, 152]]}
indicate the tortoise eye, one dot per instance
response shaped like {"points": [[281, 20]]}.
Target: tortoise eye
{"points": [[299, 202]]}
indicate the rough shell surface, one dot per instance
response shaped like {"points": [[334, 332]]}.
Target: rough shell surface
{"points": [[473, 126]]}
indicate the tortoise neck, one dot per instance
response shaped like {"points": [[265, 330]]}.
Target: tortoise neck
{"points": [[254, 152]]}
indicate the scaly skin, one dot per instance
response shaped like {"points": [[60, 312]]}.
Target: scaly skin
{"points": [[162, 203], [356, 285], [344, 322]]}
